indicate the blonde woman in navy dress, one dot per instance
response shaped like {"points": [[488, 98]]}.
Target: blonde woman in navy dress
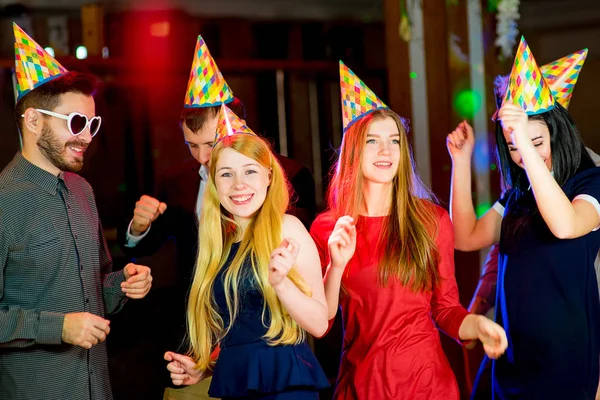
{"points": [[257, 287]]}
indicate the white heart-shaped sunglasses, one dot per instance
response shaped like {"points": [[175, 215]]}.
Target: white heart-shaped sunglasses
{"points": [[76, 122]]}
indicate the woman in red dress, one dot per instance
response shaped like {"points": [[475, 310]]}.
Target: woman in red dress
{"points": [[387, 252]]}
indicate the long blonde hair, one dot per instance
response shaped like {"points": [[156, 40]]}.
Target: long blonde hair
{"points": [[408, 237], [218, 231]]}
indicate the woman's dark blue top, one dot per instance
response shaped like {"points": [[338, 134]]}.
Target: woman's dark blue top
{"points": [[246, 363], [547, 301]]}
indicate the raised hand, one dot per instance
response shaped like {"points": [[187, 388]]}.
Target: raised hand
{"points": [[283, 258], [461, 142], [514, 119], [342, 242], [147, 209]]}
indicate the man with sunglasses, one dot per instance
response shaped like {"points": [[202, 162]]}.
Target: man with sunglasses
{"points": [[56, 279]]}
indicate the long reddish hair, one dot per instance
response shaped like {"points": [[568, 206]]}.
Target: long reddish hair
{"points": [[408, 237]]}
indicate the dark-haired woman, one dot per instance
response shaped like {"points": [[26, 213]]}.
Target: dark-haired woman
{"points": [[547, 296]]}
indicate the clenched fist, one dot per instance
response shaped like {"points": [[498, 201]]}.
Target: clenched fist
{"points": [[147, 209], [84, 329], [461, 142], [138, 281]]}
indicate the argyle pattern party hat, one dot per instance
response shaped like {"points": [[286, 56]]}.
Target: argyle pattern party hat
{"points": [[357, 99], [206, 86], [230, 124], [33, 65], [527, 87], [562, 74]]}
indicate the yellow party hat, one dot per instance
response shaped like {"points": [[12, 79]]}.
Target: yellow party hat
{"points": [[527, 87], [562, 74], [33, 65], [357, 99], [230, 124], [206, 86]]}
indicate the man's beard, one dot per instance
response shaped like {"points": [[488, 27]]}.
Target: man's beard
{"points": [[56, 152]]}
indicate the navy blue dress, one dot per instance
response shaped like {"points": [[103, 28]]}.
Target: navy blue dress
{"points": [[547, 301], [247, 367]]}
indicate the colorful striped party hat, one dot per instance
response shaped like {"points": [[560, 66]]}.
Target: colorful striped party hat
{"points": [[33, 65], [562, 74], [230, 124], [357, 99], [206, 86], [527, 87]]}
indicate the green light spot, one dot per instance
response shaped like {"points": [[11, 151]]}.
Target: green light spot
{"points": [[492, 6], [482, 209], [493, 167], [467, 103], [413, 75]]}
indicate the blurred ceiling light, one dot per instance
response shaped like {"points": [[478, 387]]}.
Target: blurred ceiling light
{"points": [[81, 52], [160, 29], [50, 51]]}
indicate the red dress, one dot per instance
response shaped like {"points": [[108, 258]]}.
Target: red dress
{"points": [[392, 348]]}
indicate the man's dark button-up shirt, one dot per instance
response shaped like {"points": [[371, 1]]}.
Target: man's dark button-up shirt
{"points": [[53, 260]]}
